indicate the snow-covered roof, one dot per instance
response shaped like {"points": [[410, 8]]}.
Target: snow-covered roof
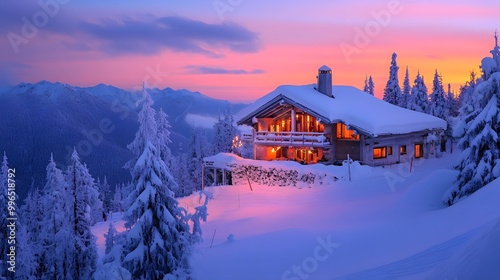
{"points": [[350, 106]]}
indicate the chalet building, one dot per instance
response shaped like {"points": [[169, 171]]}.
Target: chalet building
{"points": [[325, 123]]}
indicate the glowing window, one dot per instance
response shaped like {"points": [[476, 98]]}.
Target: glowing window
{"points": [[344, 133], [402, 150], [419, 150], [379, 152]]}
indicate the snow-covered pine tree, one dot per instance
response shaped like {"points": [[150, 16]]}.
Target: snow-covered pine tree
{"points": [[465, 95], [200, 214], [392, 91], [365, 86], [158, 242], [371, 86], [119, 199], [480, 158], [109, 238], [419, 100], [86, 185], [105, 195], [181, 173], [147, 128], [111, 262], [197, 154], [56, 233], [225, 131], [406, 97], [438, 106], [84, 199], [164, 138], [25, 257], [451, 102], [32, 213]]}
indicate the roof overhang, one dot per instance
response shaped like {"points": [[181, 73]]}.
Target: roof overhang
{"points": [[277, 106]]}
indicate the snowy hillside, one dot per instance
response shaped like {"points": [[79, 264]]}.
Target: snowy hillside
{"points": [[99, 121], [387, 223]]}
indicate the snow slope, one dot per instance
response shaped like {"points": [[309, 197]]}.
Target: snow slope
{"points": [[387, 223], [381, 232]]}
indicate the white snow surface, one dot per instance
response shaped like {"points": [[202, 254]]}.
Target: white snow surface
{"points": [[386, 223], [352, 107]]}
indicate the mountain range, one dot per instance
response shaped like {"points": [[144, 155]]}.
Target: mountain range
{"points": [[44, 118]]}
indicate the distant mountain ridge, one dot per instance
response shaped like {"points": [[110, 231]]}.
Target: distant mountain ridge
{"points": [[37, 119]]}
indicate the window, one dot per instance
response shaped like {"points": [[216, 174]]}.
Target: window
{"points": [[344, 133], [380, 152], [419, 151], [389, 150], [402, 150]]}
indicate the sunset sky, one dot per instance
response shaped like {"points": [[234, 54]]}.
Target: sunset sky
{"points": [[240, 49]]}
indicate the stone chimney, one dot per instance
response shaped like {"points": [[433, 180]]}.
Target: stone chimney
{"points": [[325, 80]]}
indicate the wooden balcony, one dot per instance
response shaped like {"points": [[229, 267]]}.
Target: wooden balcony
{"points": [[303, 139]]}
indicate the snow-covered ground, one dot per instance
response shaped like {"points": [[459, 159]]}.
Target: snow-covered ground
{"points": [[387, 223]]}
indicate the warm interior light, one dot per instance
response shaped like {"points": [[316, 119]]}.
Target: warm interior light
{"points": [[273, 150]]}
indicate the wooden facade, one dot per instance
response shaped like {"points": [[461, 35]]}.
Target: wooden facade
{"points": [[306, 139]]}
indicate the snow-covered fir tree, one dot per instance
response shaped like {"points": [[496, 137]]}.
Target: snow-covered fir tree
{"points": [[181, 173], [451, 102], [406, 96], [85, 199], [111, 267], [225, 131], [198, 151], [86, 185], [33, 215], [158, 241], [200, 214], [465, 95], [109, 238], [105, 195], [480, 158], [419, 100], [56, 233], [392, 91], [438, 105], [25, 257], [371, 86], [120, 202], [365, 86], [147, 129], [164, 138], [242, 148]]}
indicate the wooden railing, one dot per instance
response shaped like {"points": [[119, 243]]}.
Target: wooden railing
{"points": [[313, 139]]}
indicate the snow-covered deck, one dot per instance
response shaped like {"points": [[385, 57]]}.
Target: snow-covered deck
{"points": [[303, 139]]}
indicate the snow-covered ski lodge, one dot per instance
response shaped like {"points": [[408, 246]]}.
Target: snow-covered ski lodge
{"points": [[326, 123]]}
